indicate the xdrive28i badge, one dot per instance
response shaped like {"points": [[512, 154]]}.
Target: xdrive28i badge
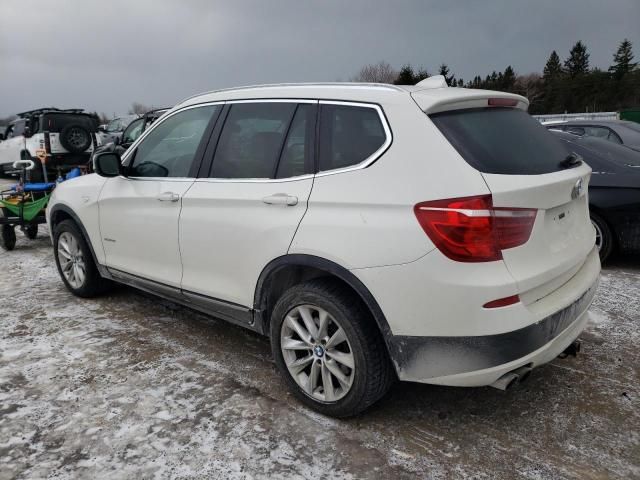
{"points": [[578, 189]]}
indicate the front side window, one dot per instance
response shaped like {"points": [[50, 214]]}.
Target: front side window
{"points": [[169, 150], [252, 139], [348, 135]]}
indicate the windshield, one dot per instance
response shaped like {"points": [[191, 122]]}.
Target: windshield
{"points": [[503, 141]]}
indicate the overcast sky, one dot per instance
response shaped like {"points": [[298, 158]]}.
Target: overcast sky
{"points": [[104, 55]]}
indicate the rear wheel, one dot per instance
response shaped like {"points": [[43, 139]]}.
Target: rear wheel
{"points": [[75, 262], [604, 236], [8, 237], [325, 345]]}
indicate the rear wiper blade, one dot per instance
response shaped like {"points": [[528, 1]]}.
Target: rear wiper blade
{"points": [[571, 160]]}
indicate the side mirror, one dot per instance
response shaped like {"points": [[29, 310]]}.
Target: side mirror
{"points": [[107, 164]]}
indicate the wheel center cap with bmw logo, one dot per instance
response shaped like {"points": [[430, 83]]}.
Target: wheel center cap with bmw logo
{"points": [[319, 351]]}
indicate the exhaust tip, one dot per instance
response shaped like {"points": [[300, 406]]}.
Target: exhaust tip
{"points": [[509, 379], [505, 382]]}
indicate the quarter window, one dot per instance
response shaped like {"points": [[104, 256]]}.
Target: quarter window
{"points": [[252, 139], [348, 135], [170, 148]]}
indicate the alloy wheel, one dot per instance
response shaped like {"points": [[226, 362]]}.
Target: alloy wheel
{"points": [[598, 235], [317, 353], [71, 259]]}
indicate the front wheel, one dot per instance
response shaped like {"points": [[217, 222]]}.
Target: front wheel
{"points": [[329, 349], [75, 262]]}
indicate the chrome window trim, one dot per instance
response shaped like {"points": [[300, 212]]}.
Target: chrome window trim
{"points": [[364, 164], [375, 155], [272, 100], [306, 176]]}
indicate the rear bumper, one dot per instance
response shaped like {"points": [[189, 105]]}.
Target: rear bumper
{"points": [[480, 360], [476, 360]]}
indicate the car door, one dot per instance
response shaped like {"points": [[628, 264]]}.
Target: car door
{"points": [[139, 212], [245, 209]]}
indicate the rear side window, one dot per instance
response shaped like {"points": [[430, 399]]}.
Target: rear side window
{"points": [[251, 140], [348, 135], [502, 141]]}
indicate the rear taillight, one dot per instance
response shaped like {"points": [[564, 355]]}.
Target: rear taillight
{"points": [[471, 229]]}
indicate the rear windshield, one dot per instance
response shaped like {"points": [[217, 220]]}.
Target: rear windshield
{"points": [[503, 141]]}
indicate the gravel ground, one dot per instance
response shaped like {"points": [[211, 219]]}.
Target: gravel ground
{"points": [[127, 386]]}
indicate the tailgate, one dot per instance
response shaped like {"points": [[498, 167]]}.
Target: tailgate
{"points": [[525, 166], [562, 234]]}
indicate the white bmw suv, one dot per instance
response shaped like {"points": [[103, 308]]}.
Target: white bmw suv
{"points": [[373, 232]]}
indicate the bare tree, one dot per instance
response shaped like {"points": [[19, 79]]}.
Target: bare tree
{"points": [[139, 108], [380, 72], [530, 86]]}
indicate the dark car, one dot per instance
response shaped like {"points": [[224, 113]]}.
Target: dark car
{"points": [[139, 125], [112, 132], [615, 131], [614, 192]]}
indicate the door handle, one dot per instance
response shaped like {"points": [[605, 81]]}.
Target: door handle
{"points": [[168, 197], [280, 199]]}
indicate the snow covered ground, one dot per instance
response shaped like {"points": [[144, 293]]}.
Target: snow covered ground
{"points": [[127, 386]]}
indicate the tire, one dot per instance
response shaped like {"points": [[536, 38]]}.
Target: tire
{"points": [[31, 231], [8, 237], [360, 386], [69, 245], [604, 236], [75, 138]]}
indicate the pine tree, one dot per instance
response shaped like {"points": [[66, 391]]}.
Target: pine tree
{"points": [[421, 75], [508, 78], [553, 67], [623, 60], [443, 70], [406, 76], [578, 61]]}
